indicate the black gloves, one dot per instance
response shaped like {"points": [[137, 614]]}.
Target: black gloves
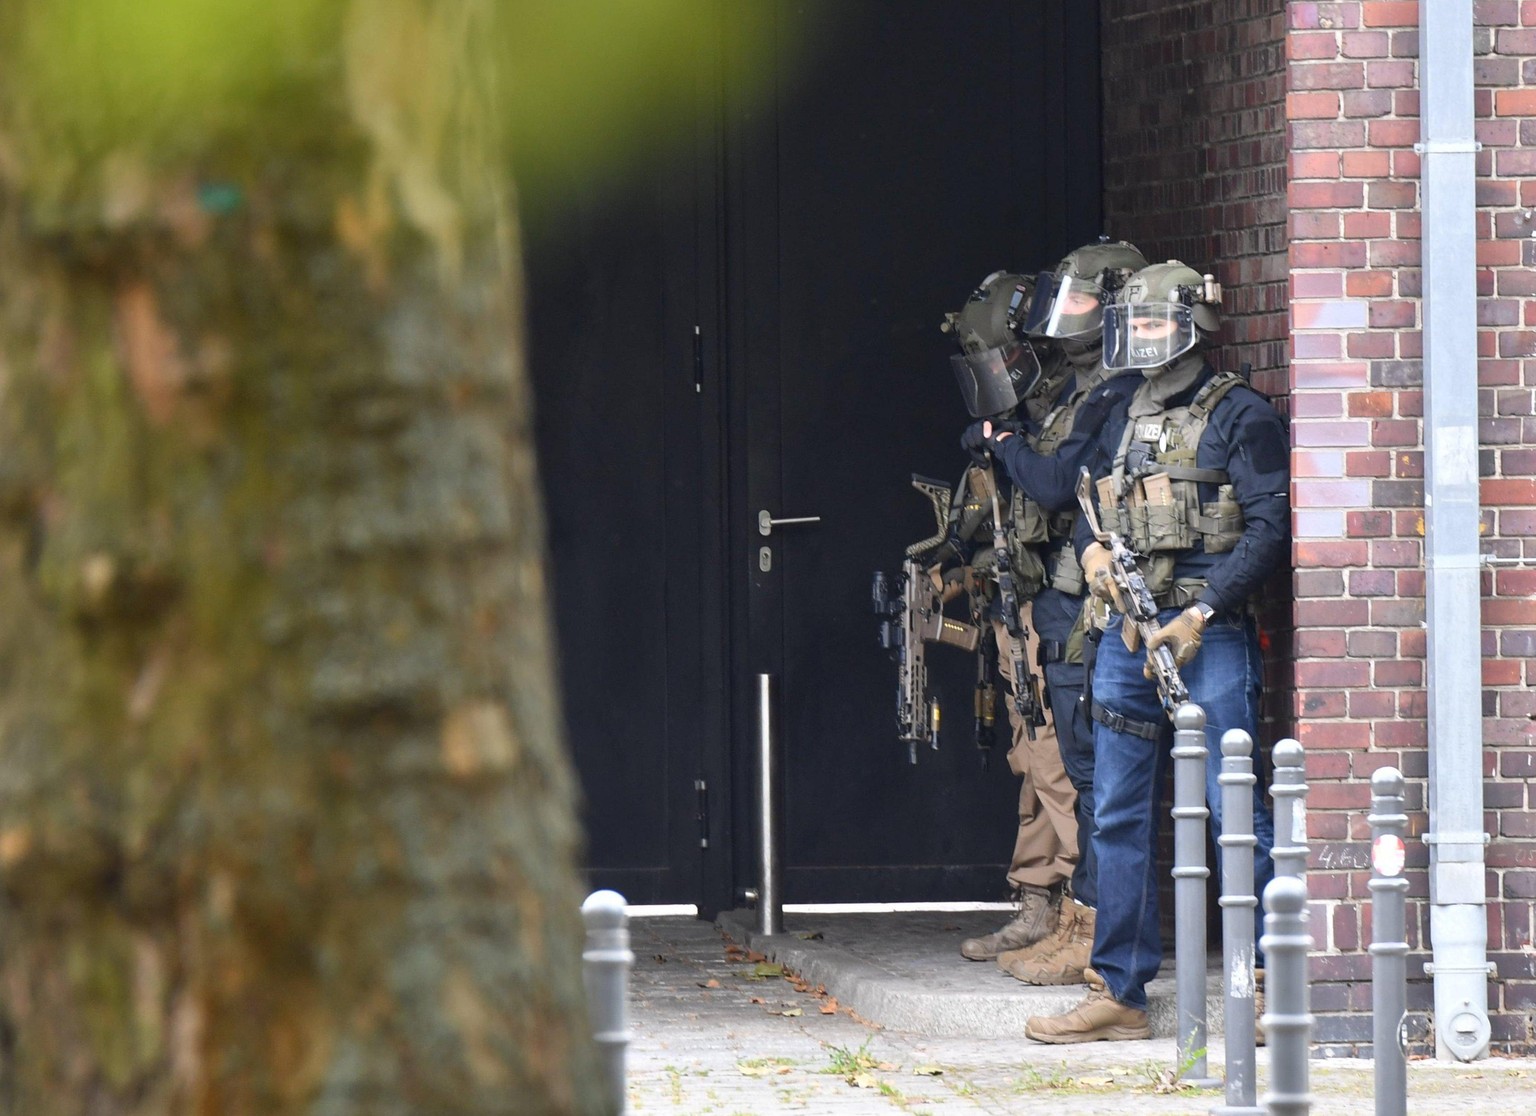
{"points": [[975, 443]]}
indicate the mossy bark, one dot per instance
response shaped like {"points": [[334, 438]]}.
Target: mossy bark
{"points": [[285, 821]]}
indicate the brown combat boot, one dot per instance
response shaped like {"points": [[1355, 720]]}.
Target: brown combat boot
{"points": [[1099, 1017], [1063, 957], [1036, 917]]}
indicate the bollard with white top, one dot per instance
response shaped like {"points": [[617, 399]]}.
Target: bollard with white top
{"points": [[605, 967], [1290, 791], [1287, 1020], [1189, 882], [1237, 921], [1389, 946]]}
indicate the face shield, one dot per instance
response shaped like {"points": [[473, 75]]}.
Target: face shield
{"points": [[993, 381], [1148, 335], [1065, 308]]}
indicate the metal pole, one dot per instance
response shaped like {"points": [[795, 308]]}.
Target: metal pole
{"points": [[1290, 791], [1189, 882], [605, 967], [1287, 1022], [1389, 945], [1458, 916], [1237, 922], [770, 896]]}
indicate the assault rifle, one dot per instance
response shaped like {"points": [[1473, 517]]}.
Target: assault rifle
{"points": [[912, 615], [1140, 606], [1026, 686]]}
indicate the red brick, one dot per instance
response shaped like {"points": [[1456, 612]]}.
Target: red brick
{"points": [[1394, 253], [1317, 284], [1370, 404], [1390, 75], [1327, 75], [1312, 106], [1312, 44], [1368, 524], [1384, 315], [1367, 164], [1319, 224], [1330, 255], [1314, 164], [1360, 104], [1372, 346], [1367, 462], [1368, 284], [1389, 13], [1392, 133], [1332, 555], [1515, 102], [1326, 195], [1333, 674], [1364, 44], [1369, 226]]}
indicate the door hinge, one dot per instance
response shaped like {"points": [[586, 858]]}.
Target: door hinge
{"points": [[701, 788]]}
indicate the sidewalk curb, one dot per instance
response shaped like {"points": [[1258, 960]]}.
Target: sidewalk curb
{"points": [[903, 1005]]}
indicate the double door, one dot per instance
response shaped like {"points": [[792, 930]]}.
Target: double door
{"points": [[755, 329]]}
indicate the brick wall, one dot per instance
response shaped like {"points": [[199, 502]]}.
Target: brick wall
{"points": [[1356, 407], [1194, 169], [1194, 155]]}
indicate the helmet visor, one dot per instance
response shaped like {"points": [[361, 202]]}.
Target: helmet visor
{"points": [[1147, 334], [1065, 308], [995, 380]]}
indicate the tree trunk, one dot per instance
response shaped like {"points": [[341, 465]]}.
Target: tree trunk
{"points": [[285, 820]]}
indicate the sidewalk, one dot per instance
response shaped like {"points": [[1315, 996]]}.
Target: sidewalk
{"points": [[719, 1033]]}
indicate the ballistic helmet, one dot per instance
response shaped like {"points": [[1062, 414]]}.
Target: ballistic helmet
{"points": [[996, 367], [1162, 312], [1069, 302]]}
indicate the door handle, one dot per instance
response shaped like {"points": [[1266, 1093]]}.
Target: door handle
{"points": [[766, 523]]}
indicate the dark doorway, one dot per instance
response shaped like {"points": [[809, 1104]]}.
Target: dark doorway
{"points": [[815, 240]]}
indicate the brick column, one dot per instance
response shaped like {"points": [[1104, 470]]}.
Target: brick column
{"points": [[1358, 464]]}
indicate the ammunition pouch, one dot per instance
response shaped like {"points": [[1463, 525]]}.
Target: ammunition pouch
{"points": [[1064, 572], [1029, 521]]}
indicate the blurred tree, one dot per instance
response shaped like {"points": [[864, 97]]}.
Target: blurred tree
{"points": [[285, 821]]}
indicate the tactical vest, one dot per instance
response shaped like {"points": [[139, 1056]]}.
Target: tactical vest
{"points": [[1033, 525], [1153, 491]]}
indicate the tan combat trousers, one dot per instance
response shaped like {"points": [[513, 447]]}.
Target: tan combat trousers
{"points": [[1045, 850]]}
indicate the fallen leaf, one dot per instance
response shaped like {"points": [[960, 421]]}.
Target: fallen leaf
{"points": [[889, 1067], [829, 1007], [950, 929], [660, 960], [748, 1070], [1095, 1082], [757, 1000], [864, 1081], [813, 936], [790, 1013], [767, 969], [752, 955], [710, 983], [928, 1071]]}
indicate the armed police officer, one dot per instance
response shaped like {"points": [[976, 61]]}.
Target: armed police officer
{"points": [[1193, 473], [1040, 456]]}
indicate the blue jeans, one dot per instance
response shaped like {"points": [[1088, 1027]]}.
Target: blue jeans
{"points": [[1224, 680]]}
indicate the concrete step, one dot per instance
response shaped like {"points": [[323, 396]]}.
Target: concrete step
{"points": [[904, 971]]}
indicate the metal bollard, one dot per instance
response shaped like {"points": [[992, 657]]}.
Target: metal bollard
{"points": [[605, 965], [1189, 876], [770, 897], [1287, 1020], [1389, 945], [1237, 920], [1290, 791]]}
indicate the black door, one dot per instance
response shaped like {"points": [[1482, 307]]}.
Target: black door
{"points": [[922, 147], [622, 335], [752, 326]]}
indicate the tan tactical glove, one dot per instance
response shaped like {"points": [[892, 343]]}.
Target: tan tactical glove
{"points": [[1182, 635], [1096, 566]]}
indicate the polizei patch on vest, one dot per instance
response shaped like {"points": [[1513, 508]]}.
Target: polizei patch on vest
{"points": [[1148, 431]]}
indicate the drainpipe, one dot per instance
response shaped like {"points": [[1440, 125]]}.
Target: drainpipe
{"points": [[1457, 918]]}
